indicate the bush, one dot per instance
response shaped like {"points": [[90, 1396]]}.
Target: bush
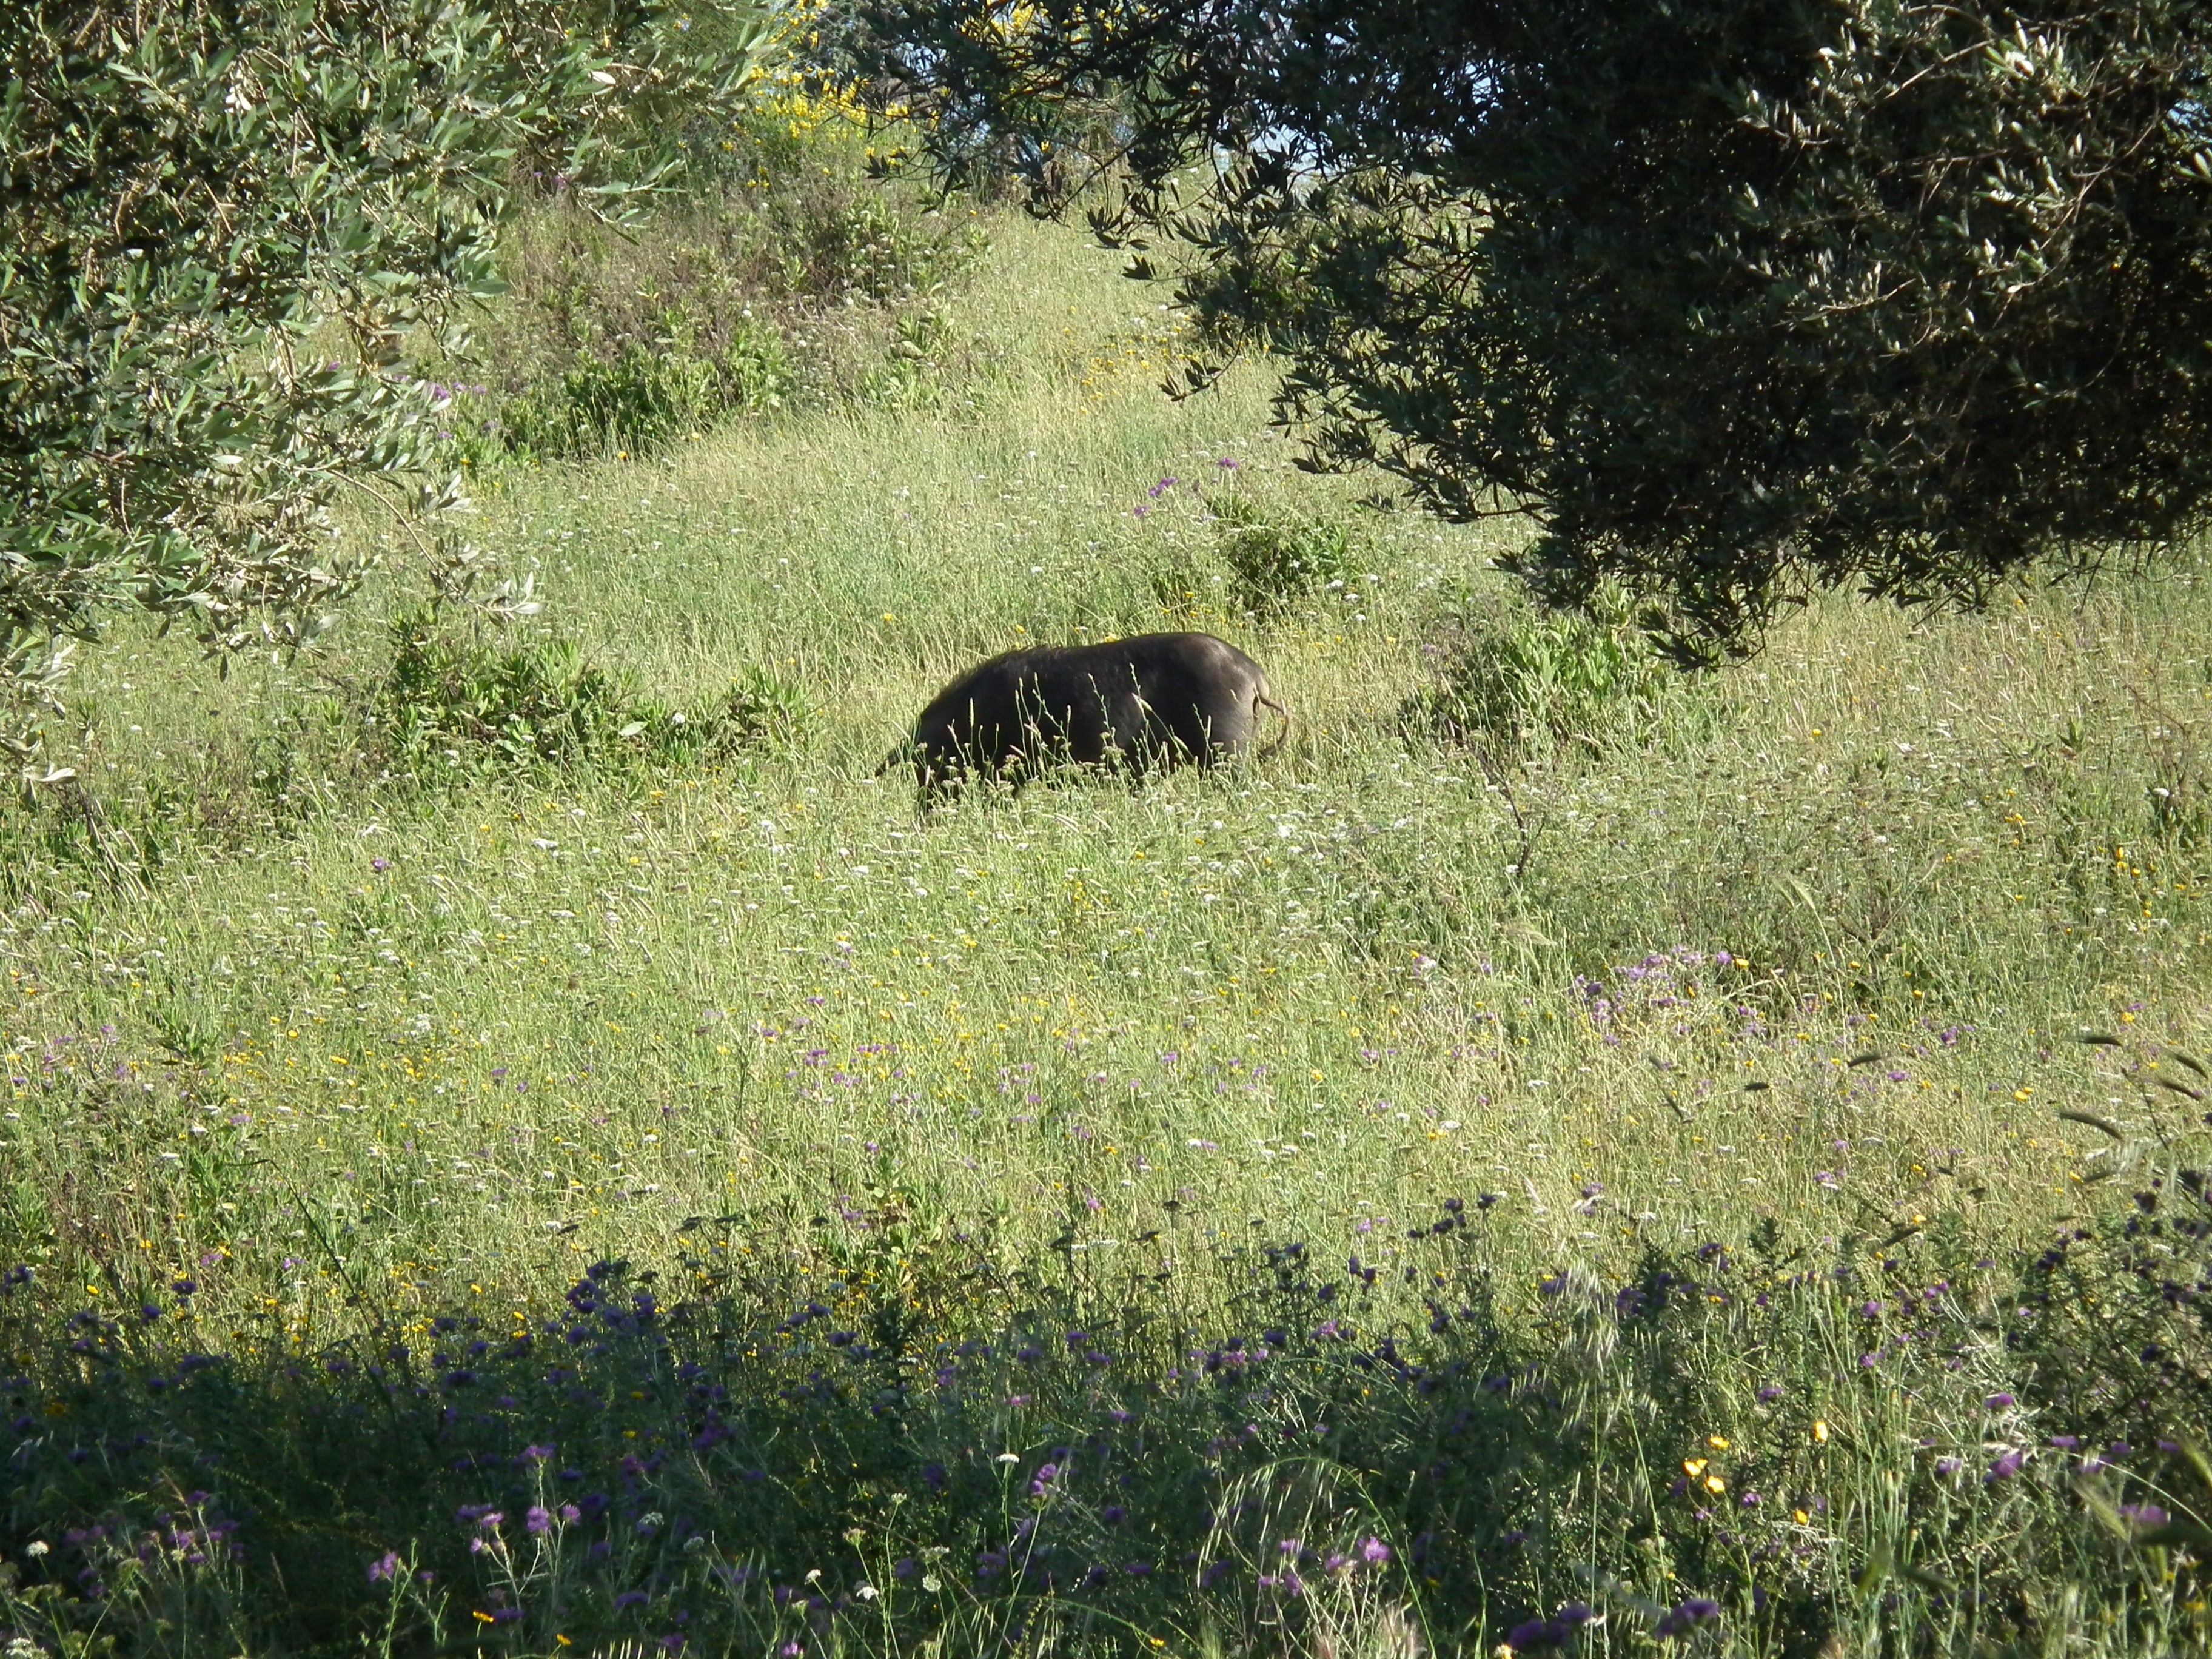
{"points": [[1277, 557], [795, 275], [643, 397], [216, 235], [1525, 678], [454, 706]]}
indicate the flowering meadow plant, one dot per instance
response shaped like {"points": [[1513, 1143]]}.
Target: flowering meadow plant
{"points": [[798, 1465]]}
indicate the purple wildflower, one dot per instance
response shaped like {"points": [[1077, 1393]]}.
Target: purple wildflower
{"points": [[1688, 1616]]}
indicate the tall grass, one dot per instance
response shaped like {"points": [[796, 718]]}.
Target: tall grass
{"points": [[1793, 955]]}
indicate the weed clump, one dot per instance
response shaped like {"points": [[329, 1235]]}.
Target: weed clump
{"points": [[454, 706], [643, 397], [1275, 559], [1524, 679]]}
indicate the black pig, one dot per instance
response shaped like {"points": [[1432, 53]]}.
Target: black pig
{"points": [[1153, 699]]}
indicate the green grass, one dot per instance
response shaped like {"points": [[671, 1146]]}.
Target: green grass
{"points": [[351, 1050]]}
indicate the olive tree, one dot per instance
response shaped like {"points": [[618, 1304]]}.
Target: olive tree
{"points": [[223, 224], [1739, 300]]}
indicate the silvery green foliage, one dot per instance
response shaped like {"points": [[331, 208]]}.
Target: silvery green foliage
{"points": [[221, 220], [1742, 300]]}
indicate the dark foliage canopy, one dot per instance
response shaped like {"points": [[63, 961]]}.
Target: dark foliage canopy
{"points": [[1741, 298]]}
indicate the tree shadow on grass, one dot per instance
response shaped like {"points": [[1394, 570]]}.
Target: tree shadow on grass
{"points": [[1406, 1453]]}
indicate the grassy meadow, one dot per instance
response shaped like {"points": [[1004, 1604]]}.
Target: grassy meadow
{"points": [[1343, 1120]]}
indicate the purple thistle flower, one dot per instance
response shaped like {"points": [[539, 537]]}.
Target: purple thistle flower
{"points": [[1697, 1610], [539, 1519], [2004, 1468], [1553, 1632], [384, 1569]]}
